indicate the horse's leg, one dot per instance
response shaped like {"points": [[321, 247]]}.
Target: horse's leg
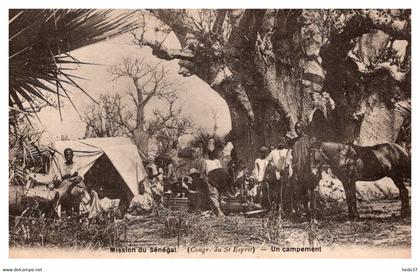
{"points": [[290, 192], [272, 196], [279, 198], [287, 199], [312, 207], [405, 206], [350, 190], [302, 199], [76, 207], [276, 196], [294, 196]]}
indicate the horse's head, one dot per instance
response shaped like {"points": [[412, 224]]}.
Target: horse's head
{"points": [[318, 159]]}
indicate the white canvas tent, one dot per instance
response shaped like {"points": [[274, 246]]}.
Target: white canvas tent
{"points": [[120, 151]]}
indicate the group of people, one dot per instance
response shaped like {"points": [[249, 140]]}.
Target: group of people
{"points": [[280, 175], [204, 183], [280, 179]]}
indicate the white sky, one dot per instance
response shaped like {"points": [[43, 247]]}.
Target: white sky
{"points": [[197, 98]]}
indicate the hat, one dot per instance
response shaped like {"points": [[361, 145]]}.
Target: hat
{"points": [[263, 148], [290, 135], [189, 180], [193, 171]]}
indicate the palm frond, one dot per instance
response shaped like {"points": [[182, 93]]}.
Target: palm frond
{"points": [[201, 140], [39, 46]]}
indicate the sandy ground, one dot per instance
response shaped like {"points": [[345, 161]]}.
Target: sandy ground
{"points": [[379, 227], [380, 233]]}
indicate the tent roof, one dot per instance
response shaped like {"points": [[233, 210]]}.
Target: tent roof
{"points": [[120, 150]]}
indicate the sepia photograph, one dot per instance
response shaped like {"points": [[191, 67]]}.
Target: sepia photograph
{"points": [[209, 133]]}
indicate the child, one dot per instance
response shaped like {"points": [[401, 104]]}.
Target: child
{"points": [[259, 171]]}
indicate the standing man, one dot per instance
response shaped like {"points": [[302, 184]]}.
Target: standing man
{"points": [[304, 181], [166, 166], [235, 165], [156, 183], [211, 166], [277, 156], [215, 177], [287, 177], [277, 159], [171, 174]]}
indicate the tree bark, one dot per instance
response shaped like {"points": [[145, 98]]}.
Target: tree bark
{"points": [[273, 67]]}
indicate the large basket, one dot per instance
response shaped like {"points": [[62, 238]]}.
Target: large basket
{"points": [[176, 203]]}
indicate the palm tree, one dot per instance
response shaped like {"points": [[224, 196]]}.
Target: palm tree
{"points": [[39, 44]]}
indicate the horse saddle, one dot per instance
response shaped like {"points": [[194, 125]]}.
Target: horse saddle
{"points": [[366, 158]]}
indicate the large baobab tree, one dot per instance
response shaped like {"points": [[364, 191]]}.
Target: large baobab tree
{"points": [[274, 67]]}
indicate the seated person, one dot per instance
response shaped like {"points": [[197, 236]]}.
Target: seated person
{"points": [[68, 182], [141, 203], [68, 171], [188, 185]]}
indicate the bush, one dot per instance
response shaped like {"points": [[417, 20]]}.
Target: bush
{"points": [[77, 231]]}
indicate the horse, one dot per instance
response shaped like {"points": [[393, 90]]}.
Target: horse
{"points": [[351, 163]]}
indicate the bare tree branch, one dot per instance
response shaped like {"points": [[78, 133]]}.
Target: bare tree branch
{"points": [[113, 116]]}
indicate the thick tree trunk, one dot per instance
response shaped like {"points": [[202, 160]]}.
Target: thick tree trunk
{"points": [[267, 128], [274, 67]]}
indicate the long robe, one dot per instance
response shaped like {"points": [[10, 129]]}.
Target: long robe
{"points": [[301, 159]]}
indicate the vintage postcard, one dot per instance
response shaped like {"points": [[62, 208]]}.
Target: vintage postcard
{"points": [[210, 133]]}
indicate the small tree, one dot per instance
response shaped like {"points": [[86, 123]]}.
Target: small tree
{"points": [[114, 116], [102, 120], [150, 81], [167, 128]]}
